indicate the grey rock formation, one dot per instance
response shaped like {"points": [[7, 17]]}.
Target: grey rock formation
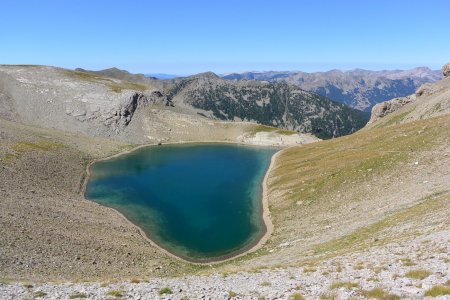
{"points": [[446, 70], [71, 101], [382, 109], [425, 89]]}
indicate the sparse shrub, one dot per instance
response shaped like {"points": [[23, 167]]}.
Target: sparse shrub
{"points": [[39, 294], [266, 283], [296, 296], [418, 274], [115, 293], [309, 270], [134, 280], [378, 293], [374, 279], [231, 294], [28, 286], [438, 290], [165, 290], [78, 296], [344, 284], [328, 297], [407, 262]]}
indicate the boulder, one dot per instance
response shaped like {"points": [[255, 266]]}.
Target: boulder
{"points": [[446, 70], [425, 89], [384, 108]]}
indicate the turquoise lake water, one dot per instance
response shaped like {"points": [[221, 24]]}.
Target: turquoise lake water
{"points": [[201, 202]]}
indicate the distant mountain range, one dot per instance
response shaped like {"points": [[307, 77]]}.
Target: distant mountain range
{"points": [[162, 75], [360, 89], [276, 104]]}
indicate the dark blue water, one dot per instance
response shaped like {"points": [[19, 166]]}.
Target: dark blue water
{"points": [[201, 202]]}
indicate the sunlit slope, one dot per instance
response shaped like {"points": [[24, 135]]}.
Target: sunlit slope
{"points": [[340, 194]]}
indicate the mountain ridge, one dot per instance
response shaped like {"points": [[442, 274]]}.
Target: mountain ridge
{"points": [[110, 102], [358, 88]]}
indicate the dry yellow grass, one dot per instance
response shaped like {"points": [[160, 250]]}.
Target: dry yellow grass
{"points": [[344, 194], [115, 85]]}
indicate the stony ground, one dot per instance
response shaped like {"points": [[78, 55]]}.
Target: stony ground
{"points": [[407, 270]]}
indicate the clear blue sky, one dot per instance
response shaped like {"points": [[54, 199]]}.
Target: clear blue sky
{"points": [[184, 37]]}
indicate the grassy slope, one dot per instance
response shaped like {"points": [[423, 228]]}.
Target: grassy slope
{"points": [[357, 191], [115, 85]]}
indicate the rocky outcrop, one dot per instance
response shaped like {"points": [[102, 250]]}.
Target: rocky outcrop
{"points": [[425, 89], [446, 70], [382, 109], [122, 115], [76, 101]]}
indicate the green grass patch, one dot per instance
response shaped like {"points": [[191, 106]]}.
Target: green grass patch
{"points": [[296, 296], [395, 118], [78, 296], [116, 86], [22, 147], [418, 274], [378, 293], [125, 85], [407, 262], [165, 290], [39, 294], [344, 284], [438, 290], [115, 293], [265, 128], [231, 294], [309, 270], [362, 238]]}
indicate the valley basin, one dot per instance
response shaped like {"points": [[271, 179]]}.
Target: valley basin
{"points": [[201, 202]]}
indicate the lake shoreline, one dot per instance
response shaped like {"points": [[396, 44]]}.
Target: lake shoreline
{"points": [[251, 247]]}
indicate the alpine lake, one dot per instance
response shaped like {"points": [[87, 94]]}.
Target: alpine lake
{"points": [[200, 202]]}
